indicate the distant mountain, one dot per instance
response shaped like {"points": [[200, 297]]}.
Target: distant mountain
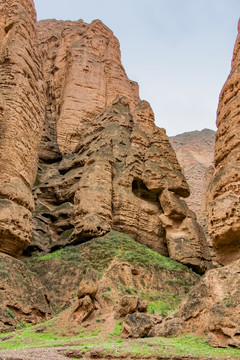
{"points": [[195, 152]]}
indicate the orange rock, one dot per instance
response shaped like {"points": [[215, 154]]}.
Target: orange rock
{"points": [[87, 287], [224, 208], [21, 119], [84, 74], [115, 161]]}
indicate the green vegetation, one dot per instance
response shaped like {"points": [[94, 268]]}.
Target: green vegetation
{"points": [[10, 313], [94, 257], [118, 328], [41, 335], [227, 301], [187, 345], [97, 254], [37, 181], [162, 303]]}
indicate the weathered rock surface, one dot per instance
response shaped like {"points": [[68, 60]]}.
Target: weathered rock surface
{"points": [[195, 152], [102, 159], [136, 325], [130, 304], [23, 298], [84, 74], [224, 206], [114, 180], [21, 117], [211, 309], [87, 287]]}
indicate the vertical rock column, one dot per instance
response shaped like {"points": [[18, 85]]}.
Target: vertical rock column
{"points": [[224, 189], [21, 117]]}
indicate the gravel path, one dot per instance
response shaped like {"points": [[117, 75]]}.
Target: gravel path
{"points": [[33, 354], [56, 354]]}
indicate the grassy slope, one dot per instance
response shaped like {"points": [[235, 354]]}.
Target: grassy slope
{"points": [[84, 342], [97, 254]]}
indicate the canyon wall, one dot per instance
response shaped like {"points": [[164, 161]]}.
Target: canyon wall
{"points": [[84, 74], [21, 119], [103, 163], [224, 208]]}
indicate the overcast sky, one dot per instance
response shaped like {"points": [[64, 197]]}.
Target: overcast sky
{"points": [[179, 51]]}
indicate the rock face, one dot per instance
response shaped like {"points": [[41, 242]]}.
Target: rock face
{"points": [[84, 74], [195, 152], [118, 178], [224, 208], [211, 309], [21, 118], [23, 298], [103, 162]]}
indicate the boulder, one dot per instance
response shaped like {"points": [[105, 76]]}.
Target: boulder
{"points": [[127, 305], [142, 306], [82, 310], [87, 287], [136, 325]]}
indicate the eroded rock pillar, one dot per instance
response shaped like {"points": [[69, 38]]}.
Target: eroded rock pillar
{"points": [[21, 116]]}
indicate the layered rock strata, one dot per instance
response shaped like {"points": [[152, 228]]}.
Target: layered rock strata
{"points": [[224, 208], [103, 163], [84, 74], [21, 118]]}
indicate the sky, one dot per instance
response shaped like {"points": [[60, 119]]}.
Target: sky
{"points": [[179, 51]]}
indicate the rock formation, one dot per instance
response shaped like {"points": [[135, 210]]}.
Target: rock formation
{"points": [[224, 208], [211, 309], [103, 166], [195, 152], [103, 163], [21, 118], [84, 74], [23, 299]]}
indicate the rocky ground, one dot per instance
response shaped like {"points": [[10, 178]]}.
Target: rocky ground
{"points": [[130, 291], [113, 347]]}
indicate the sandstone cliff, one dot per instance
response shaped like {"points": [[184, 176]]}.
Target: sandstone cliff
{"points": [[21, 117], [103, 163], [224, 208], [84, 74]]}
